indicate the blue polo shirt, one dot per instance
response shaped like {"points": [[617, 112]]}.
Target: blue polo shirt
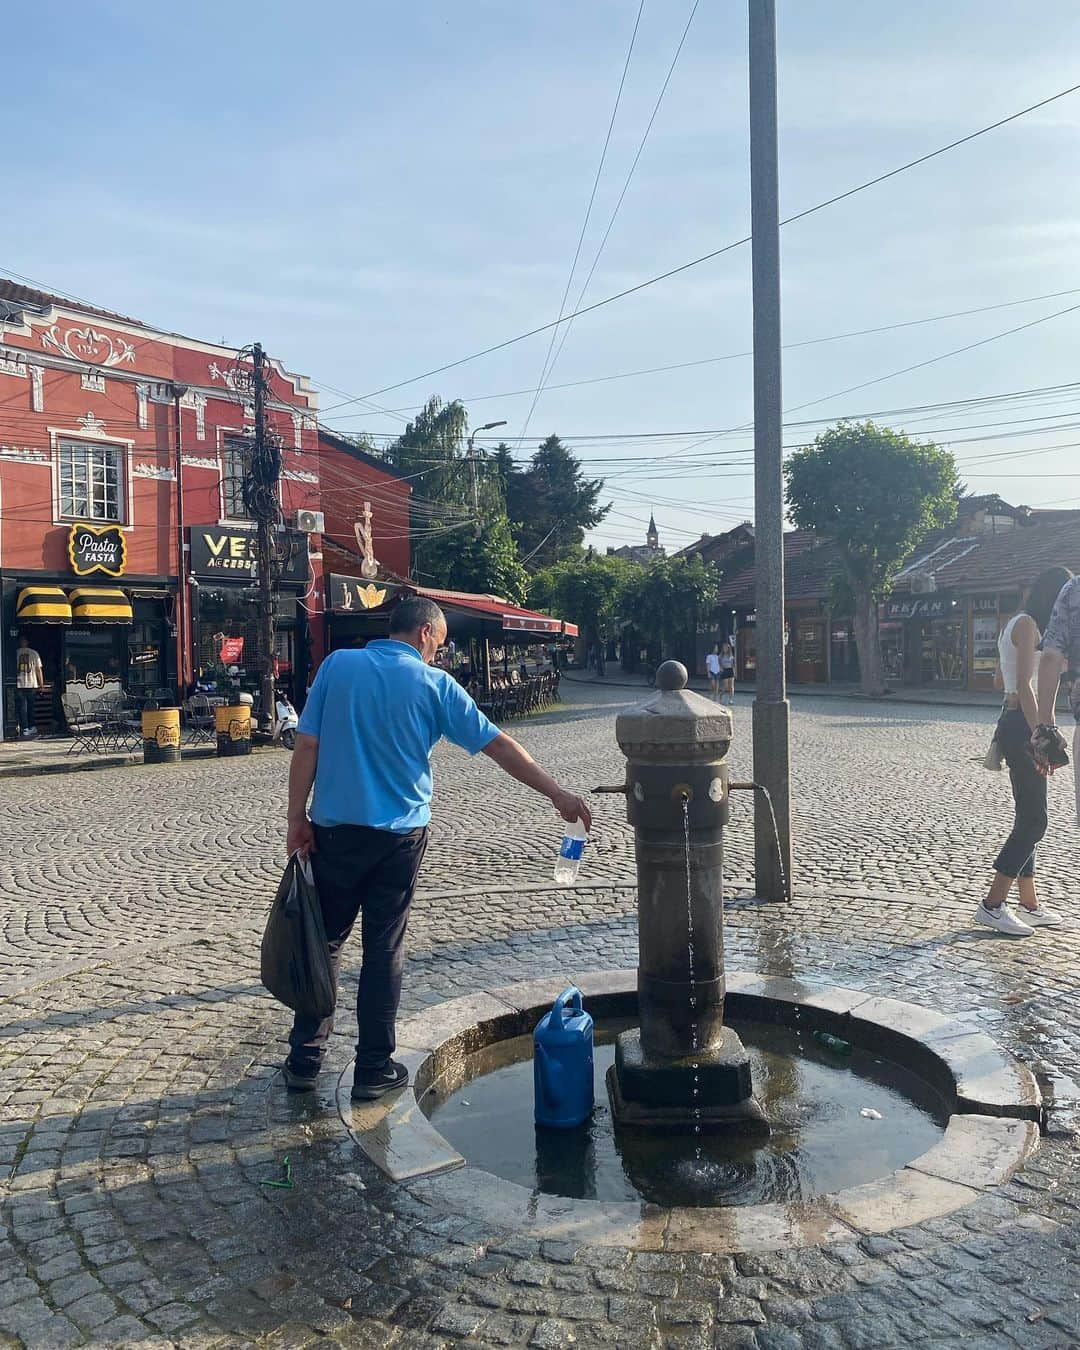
{"points": [[378, 713]]}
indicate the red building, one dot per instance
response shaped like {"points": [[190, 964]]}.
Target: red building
{"points": [[125, 547]]}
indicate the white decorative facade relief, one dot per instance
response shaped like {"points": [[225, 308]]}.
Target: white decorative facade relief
{"points": [[24, 454], [92, 382], [298, 421], [141, 393], [201, 462], [37, 389], [87, 344], [155, 471], [92, 424], [197, 402], [300, 476], [12, 363]]}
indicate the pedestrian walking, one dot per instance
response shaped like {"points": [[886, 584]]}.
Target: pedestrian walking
{"points": [[1060, 660], [1018, 660], [727, 673], [29, 678], [365, 738], [712, 669]]}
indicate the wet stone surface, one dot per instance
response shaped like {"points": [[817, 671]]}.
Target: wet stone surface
{"points": [[141, 1114]]}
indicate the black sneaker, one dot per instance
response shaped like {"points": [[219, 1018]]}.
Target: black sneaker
{"points": [[371, 1083], [300, 1078]]}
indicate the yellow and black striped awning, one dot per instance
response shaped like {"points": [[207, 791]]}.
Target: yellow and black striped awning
{"points": [[99, 604], [42, 604]]}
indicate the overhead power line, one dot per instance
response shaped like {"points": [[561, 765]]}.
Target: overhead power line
{"points": [[727, 248], [735, 356], [554, 360], [588, 216]]}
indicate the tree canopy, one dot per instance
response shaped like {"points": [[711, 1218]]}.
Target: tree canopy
{"points": [[666, 599], [450, 547], [585, 589], [875, 493], [551, 503]]}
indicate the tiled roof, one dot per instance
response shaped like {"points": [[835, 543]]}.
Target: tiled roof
{"points": [[809, 565], [14, 296], [1010, 559], [984, 562]]}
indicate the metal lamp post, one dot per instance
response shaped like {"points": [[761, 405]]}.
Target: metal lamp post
{"points": [[471, 460]]}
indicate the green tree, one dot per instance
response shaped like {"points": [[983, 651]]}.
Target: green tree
{"points": [[875, 493], [667, 599], [587, 590], [551, 503], [486, 564], [450, 547]]}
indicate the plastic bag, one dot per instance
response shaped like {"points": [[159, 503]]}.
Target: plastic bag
{"points": [[295, 965]]}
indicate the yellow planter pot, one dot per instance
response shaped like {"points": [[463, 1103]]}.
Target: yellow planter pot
{"points": [[161, 736], [233, 727]]}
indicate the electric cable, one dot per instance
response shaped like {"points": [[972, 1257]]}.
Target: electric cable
{"points": [[727, 248]]}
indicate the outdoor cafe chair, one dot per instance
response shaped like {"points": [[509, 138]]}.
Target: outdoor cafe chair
{"points": [[87, 730], [200, 720]]}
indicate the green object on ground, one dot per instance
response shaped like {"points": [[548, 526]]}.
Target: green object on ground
{"points": [[285, 1182], [834, 1043]]}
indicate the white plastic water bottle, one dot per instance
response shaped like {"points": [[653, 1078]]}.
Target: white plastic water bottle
{"points": [[570, 851]]}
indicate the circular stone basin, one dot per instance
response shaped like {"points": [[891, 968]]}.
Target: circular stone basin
{"points": [[820, 1141]]}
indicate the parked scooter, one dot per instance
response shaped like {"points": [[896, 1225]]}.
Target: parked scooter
{"points": [[282, 730]]}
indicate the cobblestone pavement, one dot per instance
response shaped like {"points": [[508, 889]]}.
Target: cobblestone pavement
{"points": [[141, 1113]]}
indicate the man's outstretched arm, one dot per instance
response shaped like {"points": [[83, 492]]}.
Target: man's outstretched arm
{"points": [[515, 760]]}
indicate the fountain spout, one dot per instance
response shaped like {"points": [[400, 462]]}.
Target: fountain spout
{"points": [[682, 1068]]}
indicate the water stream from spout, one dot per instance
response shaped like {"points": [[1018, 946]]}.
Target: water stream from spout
{"points": [[759, 787], [696, 1086]]}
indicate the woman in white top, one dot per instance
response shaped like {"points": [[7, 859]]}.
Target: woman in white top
{"points": [[1018, 657], [712, 669]]}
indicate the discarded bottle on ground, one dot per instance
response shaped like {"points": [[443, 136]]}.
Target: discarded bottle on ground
{"points": [[569, 860], [836, 1044]]}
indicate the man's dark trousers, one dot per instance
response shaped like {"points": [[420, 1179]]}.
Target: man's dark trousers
{"points": [[371, 873]]}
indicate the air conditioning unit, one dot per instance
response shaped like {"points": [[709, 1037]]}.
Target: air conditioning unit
{"points": [[310, 522], [923, 583]]}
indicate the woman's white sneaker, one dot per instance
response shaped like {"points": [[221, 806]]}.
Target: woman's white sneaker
{"points": [[1003, 920], [1041, 917]]}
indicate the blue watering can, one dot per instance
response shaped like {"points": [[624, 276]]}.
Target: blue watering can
{"points": [[563, 1063]]}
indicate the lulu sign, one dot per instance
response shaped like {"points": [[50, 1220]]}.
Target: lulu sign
{"points": [[97, 548]]}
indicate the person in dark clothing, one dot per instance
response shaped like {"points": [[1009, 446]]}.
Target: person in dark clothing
{"points": [[369, 725], [1018, 653]]}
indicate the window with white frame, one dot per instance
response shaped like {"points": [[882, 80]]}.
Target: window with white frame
{"points": [[235, 467], [91, 481]]}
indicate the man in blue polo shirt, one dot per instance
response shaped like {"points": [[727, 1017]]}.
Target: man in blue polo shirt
{"points": [[364, 744]]}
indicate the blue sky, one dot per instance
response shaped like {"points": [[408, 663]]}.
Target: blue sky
{"points": [[376, 190]]}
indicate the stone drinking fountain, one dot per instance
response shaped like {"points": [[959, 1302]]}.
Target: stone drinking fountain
{"points": [[682, 1068], [900, 1114]]}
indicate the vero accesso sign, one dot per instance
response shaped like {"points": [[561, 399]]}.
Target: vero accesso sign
{"points": [[230, 553], [97, 548]]}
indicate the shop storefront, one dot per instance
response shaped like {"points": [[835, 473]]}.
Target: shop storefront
{"points": [[843, 652], [808, 658], [924, 641], [97, 630], [225, 596], [486, 632]]}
